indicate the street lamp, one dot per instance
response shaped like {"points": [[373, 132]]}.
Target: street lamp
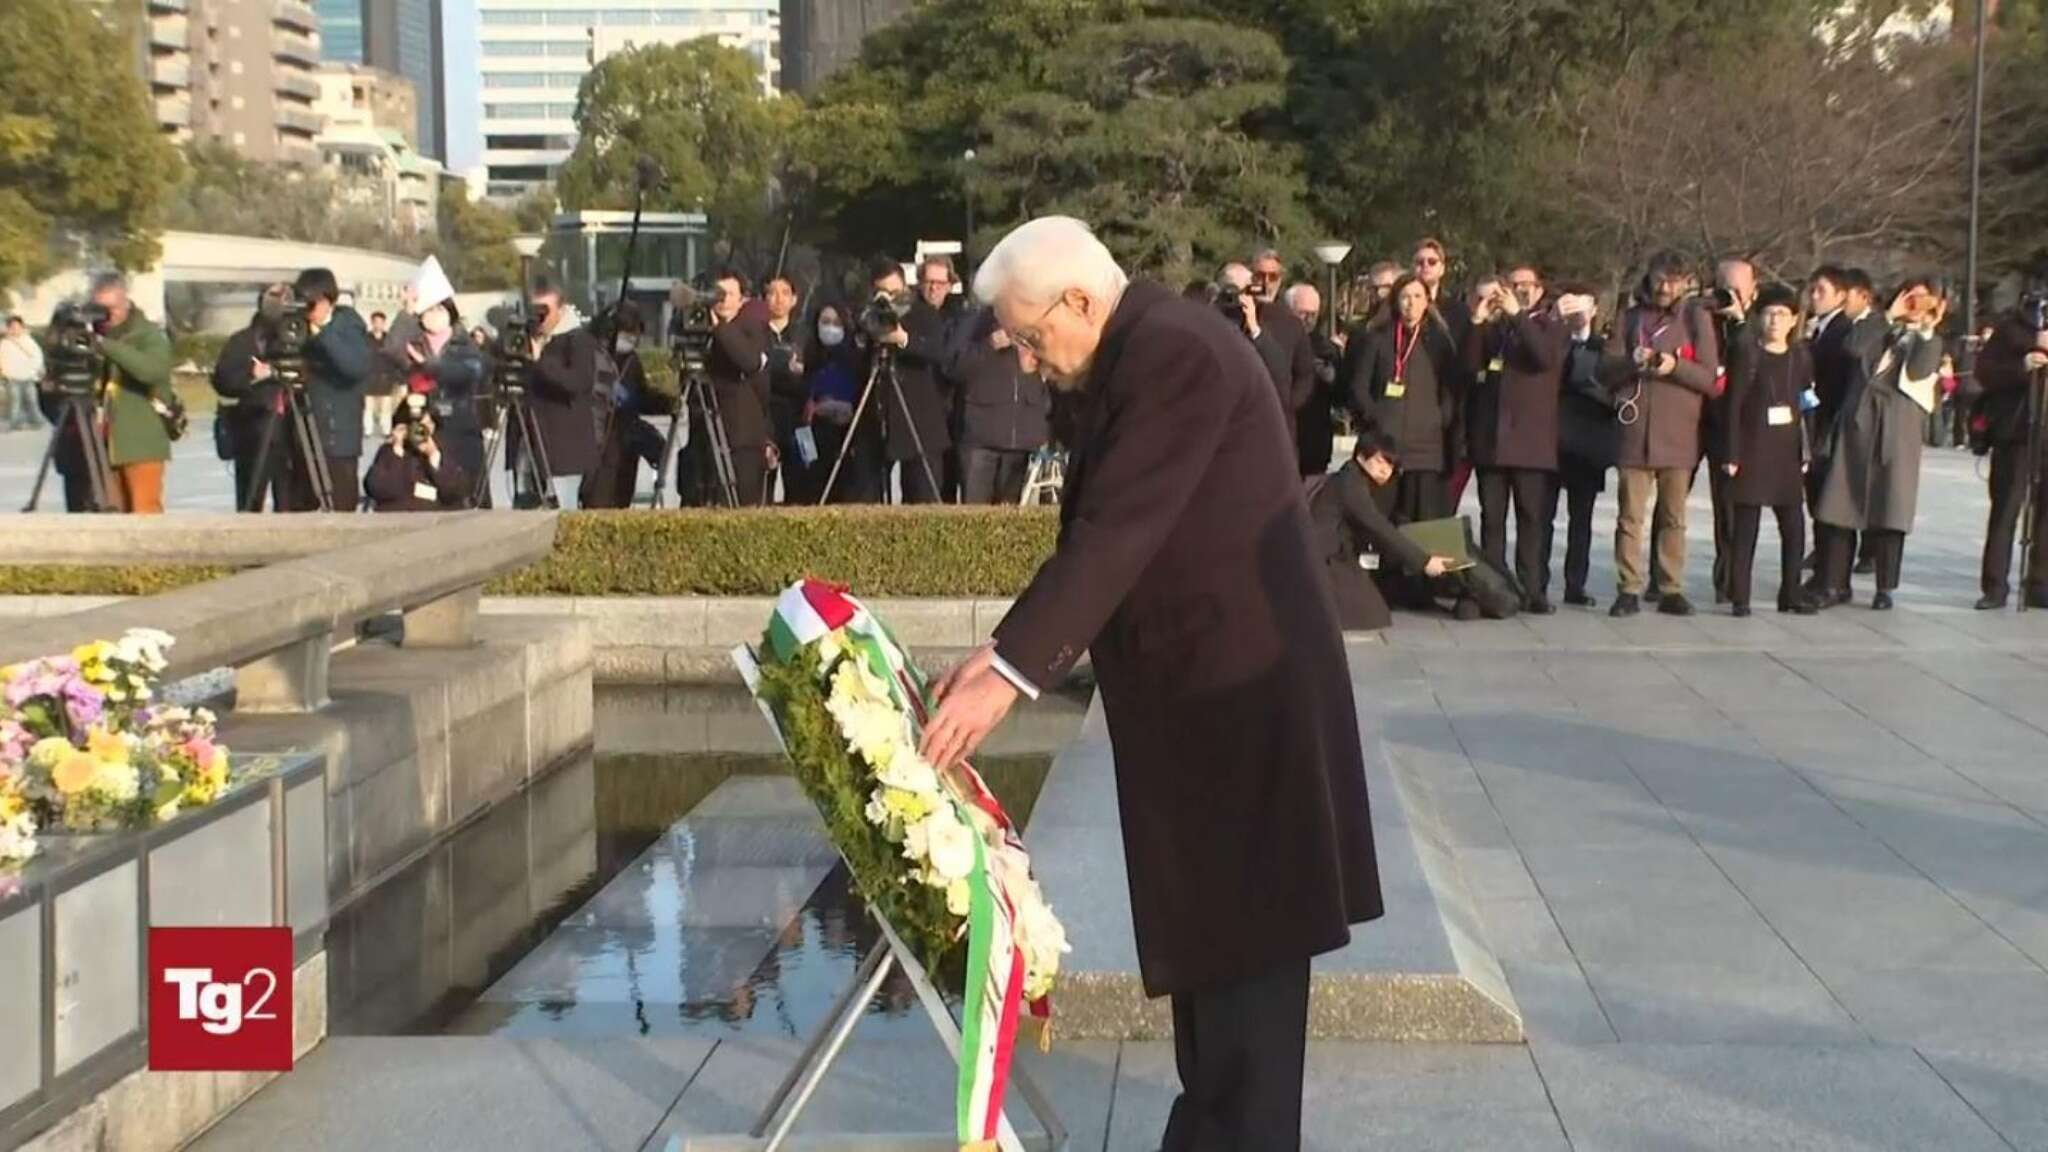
{"points": [[1331, 253], [1976, 189]]}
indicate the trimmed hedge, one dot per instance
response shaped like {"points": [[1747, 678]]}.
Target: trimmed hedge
{"points": [[951, 552]]}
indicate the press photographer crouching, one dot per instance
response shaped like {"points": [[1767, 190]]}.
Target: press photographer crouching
{"points": [[340, 364], [2006, 424], [412, 472], [111, 366]]}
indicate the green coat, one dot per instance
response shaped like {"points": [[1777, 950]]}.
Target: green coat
{"points": [[139, 370]]}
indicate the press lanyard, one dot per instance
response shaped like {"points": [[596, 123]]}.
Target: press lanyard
{"points": [[1401, 354]]}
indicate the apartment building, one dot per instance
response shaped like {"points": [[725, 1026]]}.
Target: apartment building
{"points": [[239, 72]]}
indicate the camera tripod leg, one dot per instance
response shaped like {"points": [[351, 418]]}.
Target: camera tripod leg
{"points": [[100, 472], [35, 494], [533, 455], [664, 468], [481, 490], [306, 434], [852, 426], [924, 459]]}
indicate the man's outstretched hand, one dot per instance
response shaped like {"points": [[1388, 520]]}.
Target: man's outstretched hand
{"points": [[973, 698]]}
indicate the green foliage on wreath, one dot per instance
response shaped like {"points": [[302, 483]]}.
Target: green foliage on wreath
{"points": [[839, 784]]}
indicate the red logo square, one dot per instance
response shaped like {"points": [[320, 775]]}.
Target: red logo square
{"points": [[220, 999]]}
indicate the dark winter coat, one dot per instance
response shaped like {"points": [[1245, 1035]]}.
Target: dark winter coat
{"points": [[1587, 435], [456, 378], [1290, 360], [564, 403], [1001, 405], [340, 364], [400, 483], [920, 370], [1511, 419], [738, 367], [1768, 456], [1188, 567], [1872, 475], [1431, 377], [1660, 415], [1315, 427], [1350, 527], [2002, 381]]}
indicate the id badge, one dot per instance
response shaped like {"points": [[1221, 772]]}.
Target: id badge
{"points": [[426, 492], [1396, 389], [1809, 400], [807, 445], [1370, 561], [1779, 415], [1496, 365]]}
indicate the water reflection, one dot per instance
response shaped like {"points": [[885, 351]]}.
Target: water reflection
{"points": [[675, 883]]}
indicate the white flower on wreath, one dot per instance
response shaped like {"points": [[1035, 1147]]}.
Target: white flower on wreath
{"points": [[144, 647], [949, 846], [906, 771], [960, 897]]}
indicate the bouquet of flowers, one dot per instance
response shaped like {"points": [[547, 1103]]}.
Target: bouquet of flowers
{"points": [[933, 852], [85, 746]]}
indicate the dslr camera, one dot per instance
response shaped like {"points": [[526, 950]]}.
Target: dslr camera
{"points": [[1230, 302], [883, 315], [75, 359]]}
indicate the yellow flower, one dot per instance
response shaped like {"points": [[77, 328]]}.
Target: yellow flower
{"points": [[50, 751], [75, 773], [109, 746]]}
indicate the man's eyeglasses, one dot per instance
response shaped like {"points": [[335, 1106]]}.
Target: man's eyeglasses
{"points": [[1273, 277], [1029, 337], [1428, 261]]}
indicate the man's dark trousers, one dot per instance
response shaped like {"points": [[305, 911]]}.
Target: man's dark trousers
{"points": [[1240, 1049], [994, 476], [1531, 492], [2008, 493]]}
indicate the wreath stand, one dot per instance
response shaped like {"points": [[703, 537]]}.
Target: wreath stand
{"points": [[771, 1132]]}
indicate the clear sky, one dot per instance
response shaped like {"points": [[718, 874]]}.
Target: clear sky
{"points": [[459, 57]]}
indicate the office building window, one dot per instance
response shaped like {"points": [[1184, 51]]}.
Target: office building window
{"points": [[515, 79], [520, 18]]}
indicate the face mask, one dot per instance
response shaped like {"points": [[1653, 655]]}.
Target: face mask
{"points": [[434, 322], [830, 335], [626, 344]]}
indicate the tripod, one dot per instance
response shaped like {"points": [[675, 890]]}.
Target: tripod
{"points": [[698, 396], [884, 367], [532, 462], [80, 417], [306, 440], [2035, 410]]}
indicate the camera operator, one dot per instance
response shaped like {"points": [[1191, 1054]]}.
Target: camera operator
{"points": [[2008, 417], [738, 367], [1733, 297], [1671, 345], [445, 366], [1004, 413], [1314, 427], [920, 336], [412, 473], [21, 368], [1517, 348], [254, 401], [340, 364], [1281, 341], [135, 396], [562, 397], [629, 440]]}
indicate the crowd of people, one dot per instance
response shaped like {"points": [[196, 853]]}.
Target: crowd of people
{"points": [[1812, 401]]}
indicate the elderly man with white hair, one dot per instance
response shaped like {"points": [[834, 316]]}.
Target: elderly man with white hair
{"points": [[1186, 567]]}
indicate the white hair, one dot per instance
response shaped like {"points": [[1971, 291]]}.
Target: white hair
{"points": [[1042, 258], [1235, 273], [1302, 291]]}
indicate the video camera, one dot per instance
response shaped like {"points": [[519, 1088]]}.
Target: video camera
{"points": [[512, 357], [75, 359], [2034, 309], [1230, 302], [282, 333], [691, 328], [883, 315]]}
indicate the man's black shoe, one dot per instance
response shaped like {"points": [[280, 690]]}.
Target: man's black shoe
{"points": [[1580, 600], [1740, 611], [1675, 604], [1799, 606], [1651, 594], [1990, 603], [1539, 606], [1882, 602], [2037, 600], [1626, 604]]}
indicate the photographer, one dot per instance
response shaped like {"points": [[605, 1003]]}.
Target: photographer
{"points": [[411, 472], [917, 434], [244, 378], [1671, 346], [340, 364], [135, 399], [1281, 341], [1517, 347], [738, 368], [1003, 420], [1314, 426], [628, 438], [2007, 418], [787, 392], [1734, 296], [442, 364], [562, 399], [1587, 435]]}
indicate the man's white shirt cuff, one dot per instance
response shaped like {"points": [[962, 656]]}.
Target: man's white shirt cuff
{"points": [[1016, 678]]}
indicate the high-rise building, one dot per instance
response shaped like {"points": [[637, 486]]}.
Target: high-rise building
{"points": [[820, 36], [402, 37], [236, 71], [370, 116], [535, 53]]}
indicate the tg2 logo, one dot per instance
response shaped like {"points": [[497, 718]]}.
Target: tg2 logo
{"points": [[220, 999]]}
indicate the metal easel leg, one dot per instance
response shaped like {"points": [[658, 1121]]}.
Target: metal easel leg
{"points": [[824, 1048]]}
